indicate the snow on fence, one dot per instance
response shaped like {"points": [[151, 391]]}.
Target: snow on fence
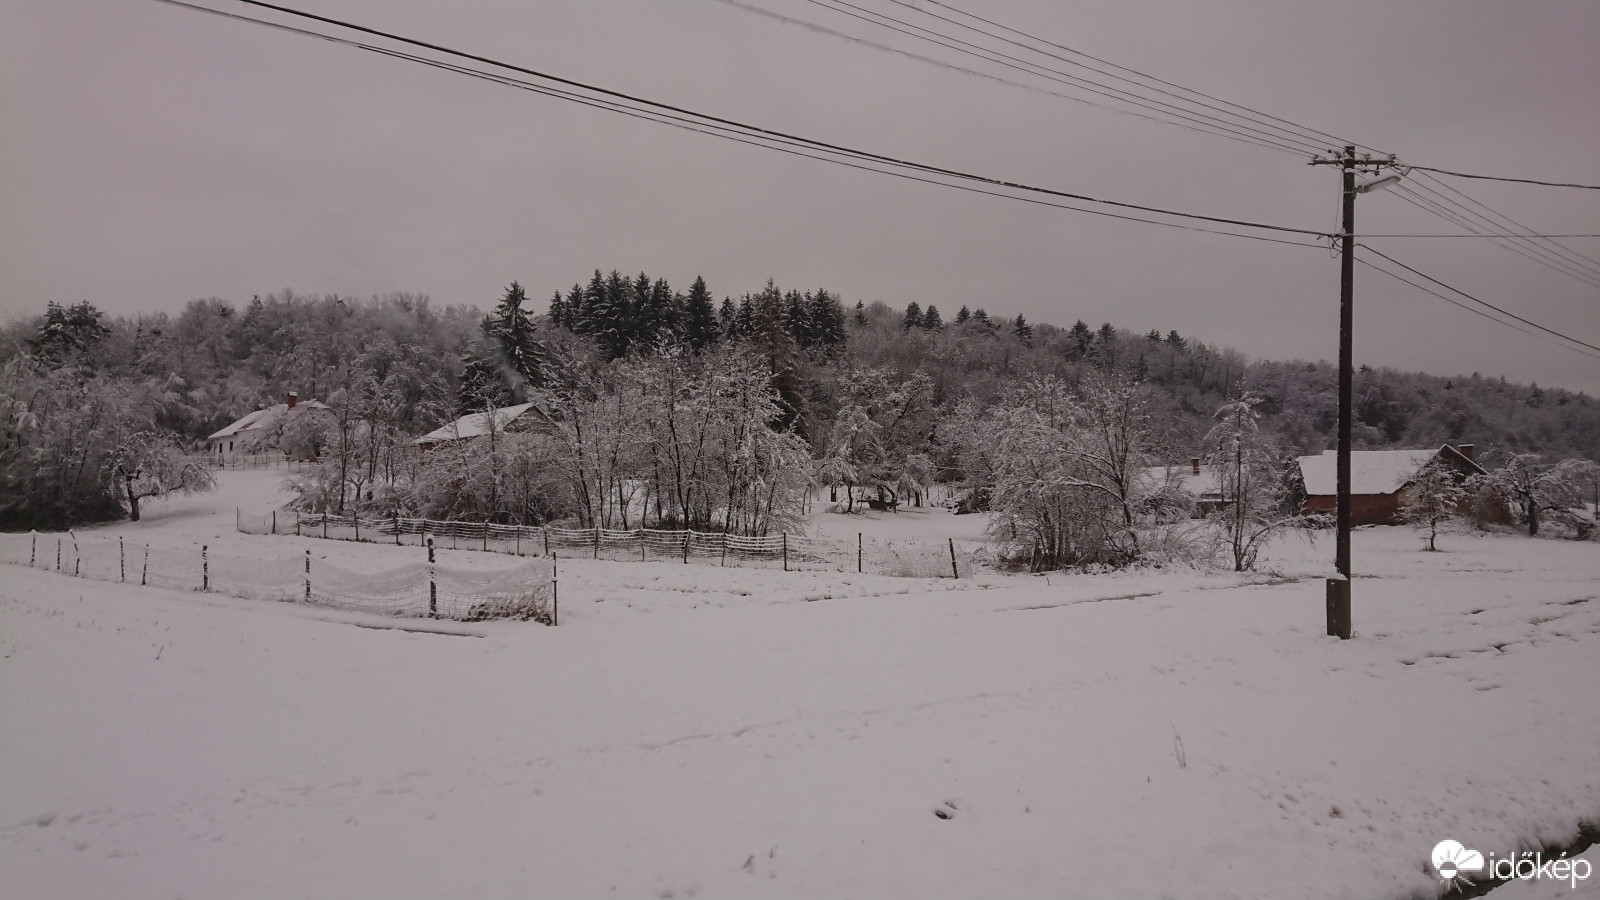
{"points": [[911, 559], [253, 461], [421, 589]]}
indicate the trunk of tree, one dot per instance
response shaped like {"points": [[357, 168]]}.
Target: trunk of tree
{"points": [[1533, 518], [133, 499]]}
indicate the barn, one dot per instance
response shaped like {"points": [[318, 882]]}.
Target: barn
{"points": [[519, 418], [1378, 480]]}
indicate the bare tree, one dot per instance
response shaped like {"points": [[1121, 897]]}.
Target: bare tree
{"points": [[1535, 487], [1252, 482], [148, 464]]}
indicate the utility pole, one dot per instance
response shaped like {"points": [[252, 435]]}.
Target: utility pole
{"points": [[1338, 597]]}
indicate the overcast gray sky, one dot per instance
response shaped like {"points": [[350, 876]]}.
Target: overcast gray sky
{"points": [[150, 155]]}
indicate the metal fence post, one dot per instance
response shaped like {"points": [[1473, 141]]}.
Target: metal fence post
{"points": [[954, 572], [308, 574], [145, 572], [786, 551], [555, 592], [433, 587], [122, 561], [33, 551], [858, 553], [205, 570], [274, 521]]}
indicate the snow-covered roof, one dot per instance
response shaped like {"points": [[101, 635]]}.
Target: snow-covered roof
{"points": [[1184, 478], [1371, 471], [475, 424], [263, 418]]}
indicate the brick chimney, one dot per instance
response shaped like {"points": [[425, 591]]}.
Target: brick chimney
{"points": [[293, 396], [1194, 464], [1467, 450]]}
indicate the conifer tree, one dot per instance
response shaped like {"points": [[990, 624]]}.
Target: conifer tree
{"points": [[513, 333], [1021, 328], [931, 319], [558, 310], [700, 329], [827, 319], [913, 316], [963, 314], [861, 313], [727, 317]]}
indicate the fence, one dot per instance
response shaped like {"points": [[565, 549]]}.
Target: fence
{"points": [[914, 559], [421, 588], [253, 461]]}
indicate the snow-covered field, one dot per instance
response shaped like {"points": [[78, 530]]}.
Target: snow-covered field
{"points": [[698, 731]]}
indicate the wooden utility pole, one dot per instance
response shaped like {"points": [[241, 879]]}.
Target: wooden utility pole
{"points": [[1338, 589]]}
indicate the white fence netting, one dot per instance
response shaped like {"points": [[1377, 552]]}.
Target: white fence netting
{"points": [[525, 591], [791, 552]]}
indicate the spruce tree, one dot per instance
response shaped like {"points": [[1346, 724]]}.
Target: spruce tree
{"points": [[699, 317], [514, 336], [558, 310], [727, 317], [931, 319], [797, 318], [913, 316], [1022, 329], [827, 320], [963, 314], [861, 313]]}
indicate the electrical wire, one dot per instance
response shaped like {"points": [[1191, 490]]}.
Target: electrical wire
{"points": [[1559, 184], [1483, 303], [1432, 207], [750, 131], [1574, 255], [1230, 129], [989, 76], [1476, 312], [1316, 136]]}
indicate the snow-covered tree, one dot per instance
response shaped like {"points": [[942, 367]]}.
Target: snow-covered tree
{"points": [[148, 464], [1534, 487], [1252, 482], [1433, 499]]}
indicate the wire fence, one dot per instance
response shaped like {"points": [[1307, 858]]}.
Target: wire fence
{"points": [[253, 461], [791, 552], [420, 589]]}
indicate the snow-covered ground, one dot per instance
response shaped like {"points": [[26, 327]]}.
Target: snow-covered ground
{"points": [[699, 731]]}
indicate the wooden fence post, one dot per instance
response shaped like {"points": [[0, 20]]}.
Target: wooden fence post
{"points": [[555, 592], [324, 524], [688, 535], [33, 551], [597, 542], [641, 545], [205, 570], [954, 572], [519, 539], [397, 529], [145, 572], [858, 553], [122, 561], [355, 518], [546, 530], [786, 551], [486, 537], [58, 554], [297, 523], [724, 548], [274, 521]]}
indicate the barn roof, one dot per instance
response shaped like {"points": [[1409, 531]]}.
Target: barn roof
{"points": [[263, 418], [1184, 478], [475, 424], [1371, 471]]}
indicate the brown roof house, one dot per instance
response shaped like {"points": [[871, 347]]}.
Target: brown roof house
{"points": [[1378, 480], [271, 429]]}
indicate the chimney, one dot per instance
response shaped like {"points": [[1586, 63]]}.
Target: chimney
{"points": [[1467, 450], [1194, 464], [293, 396]]}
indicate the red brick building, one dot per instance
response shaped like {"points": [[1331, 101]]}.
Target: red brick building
{"points": [[1378, 480]]}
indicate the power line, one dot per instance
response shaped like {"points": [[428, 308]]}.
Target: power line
{"points": [[1535, 254], [1484, 303], [1560, 184], [1477, 312], [751, 131], [1502, 216], [1202, 128], [1317, 135], [1242, 132]]}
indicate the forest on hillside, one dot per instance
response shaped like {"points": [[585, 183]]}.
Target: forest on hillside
{"points": [[780, 388]]}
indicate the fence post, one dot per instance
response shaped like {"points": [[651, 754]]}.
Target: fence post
{"points": [[954, 572], [555, 592], [205, 570], [546, 530], [308, 574], [145, 572], [786, 551], [519, 539], [297, 523], [397, 529], [641, 545], [58, 554], [688, 535], [356, 518], [122, 561], [858, 553], [34, 550], [433, 587], [597, 542], [724, 548], [274, 521], [324, 524], [486, 537], [77, 558]]}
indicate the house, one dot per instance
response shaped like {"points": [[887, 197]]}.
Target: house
{"points": [[519, 418], [1197, 479], [263, 431], [1378, 480]]}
